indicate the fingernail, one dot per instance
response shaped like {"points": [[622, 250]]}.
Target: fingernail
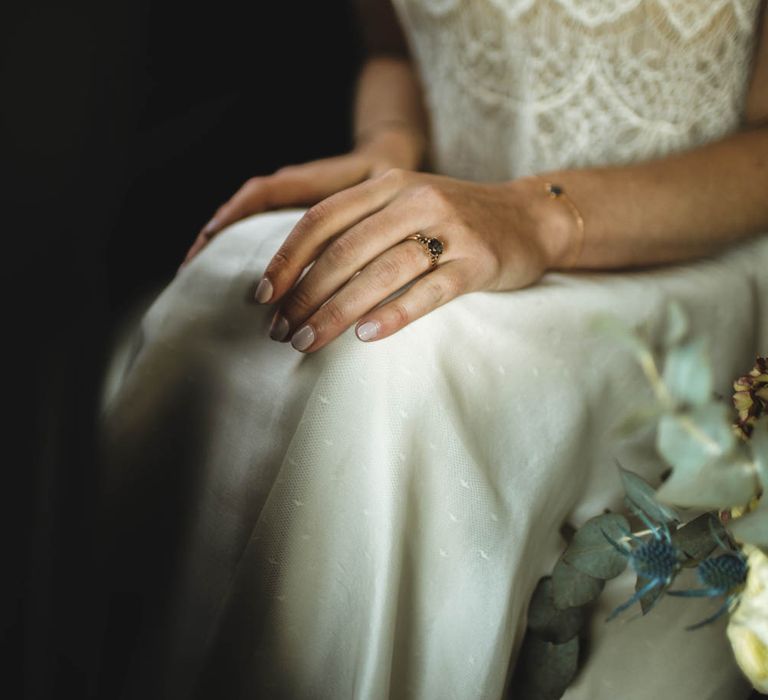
{"points": [[279, 328], [212, 224], [303, 338], [264, 291], [370, 329]]}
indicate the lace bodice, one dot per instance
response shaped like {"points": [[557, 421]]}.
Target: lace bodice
{"points": [[515, 87]]}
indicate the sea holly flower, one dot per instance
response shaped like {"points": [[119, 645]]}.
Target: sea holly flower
{"points": [[656, 559], [714, 464], [723, 575], [748, 626], [750, 397]]}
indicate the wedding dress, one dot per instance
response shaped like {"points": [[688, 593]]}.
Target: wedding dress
{"points": [[369, 520]]}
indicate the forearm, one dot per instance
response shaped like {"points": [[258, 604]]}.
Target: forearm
{"points": [[665, 210], [389, 111]]}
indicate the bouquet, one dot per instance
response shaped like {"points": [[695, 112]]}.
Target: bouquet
{"points": [[717, 457]]}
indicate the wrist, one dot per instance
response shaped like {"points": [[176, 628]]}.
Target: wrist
{"points": [[392, 144], [556, 222]]}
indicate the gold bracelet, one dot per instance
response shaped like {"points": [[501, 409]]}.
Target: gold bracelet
{"points": [[557, 192]]}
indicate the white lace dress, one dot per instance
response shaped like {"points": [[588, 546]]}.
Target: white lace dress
{"points": [[369, 521]]}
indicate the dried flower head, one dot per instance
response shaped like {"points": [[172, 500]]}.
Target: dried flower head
{"points": [[751, 397]]}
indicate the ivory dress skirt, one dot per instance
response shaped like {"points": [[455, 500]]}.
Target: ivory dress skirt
{"points": [[370, 520]]}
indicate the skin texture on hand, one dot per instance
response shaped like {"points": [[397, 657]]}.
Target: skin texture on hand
{"points": [[355, 243], [308, 183]]}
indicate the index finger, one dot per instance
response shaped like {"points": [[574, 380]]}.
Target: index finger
{"points": [[319, 225], [251, 198]]}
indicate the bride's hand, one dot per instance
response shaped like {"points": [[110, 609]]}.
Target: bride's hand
{"points": [[497, 236], [309, 183]]}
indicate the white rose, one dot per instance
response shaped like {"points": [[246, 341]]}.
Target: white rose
{"points": [[748, 626]]}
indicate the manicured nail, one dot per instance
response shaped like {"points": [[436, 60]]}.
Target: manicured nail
{"points": [[264, 291], [303, 338], [212, 224], [370, 329], [279, 328]]}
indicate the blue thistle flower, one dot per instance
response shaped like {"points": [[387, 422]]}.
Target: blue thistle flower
{"points": [[656, 559], [724, 575]]}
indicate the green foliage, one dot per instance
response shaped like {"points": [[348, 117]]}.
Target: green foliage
{"points": [[647, 600], [752, 527], [712, 468], [722, 483], [612, 327], [687, 373], [695, 538], [549, 622], [544, 669], [759, 447], [571, 587], [639, 418], [591, 553], [677, 325], [549, 655], [693, 439], [642, 495]]}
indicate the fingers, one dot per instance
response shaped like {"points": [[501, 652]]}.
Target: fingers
{"points": [[322, 223], [251, 198], [200, 242], [386, 274], [390, 271], [447, 281], [292, 185], [350, 252]]}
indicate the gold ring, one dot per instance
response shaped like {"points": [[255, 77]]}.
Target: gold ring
{"points": [[434, 247]]}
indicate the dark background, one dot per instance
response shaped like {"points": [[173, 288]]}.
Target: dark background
{"points": [[123, 126]]}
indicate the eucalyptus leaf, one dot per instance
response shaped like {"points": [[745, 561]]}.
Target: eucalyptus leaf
{"points": [[688, 373], [571, 587], [549, 622], [690, 440], [650, 597], [752, 527], [545, 670], [639, 418], [643, 496], [677, 325], [613, 327], [695, 539], [719, 484], [758, 444], [592, 553]]}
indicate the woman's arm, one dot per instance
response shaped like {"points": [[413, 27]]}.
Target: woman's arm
{"points": [[389, 111], [673, 208], [389, 108]]}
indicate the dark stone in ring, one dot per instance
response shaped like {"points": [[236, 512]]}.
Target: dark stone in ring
{"points": [[555, 190], [432, 246], [435, 246]]}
